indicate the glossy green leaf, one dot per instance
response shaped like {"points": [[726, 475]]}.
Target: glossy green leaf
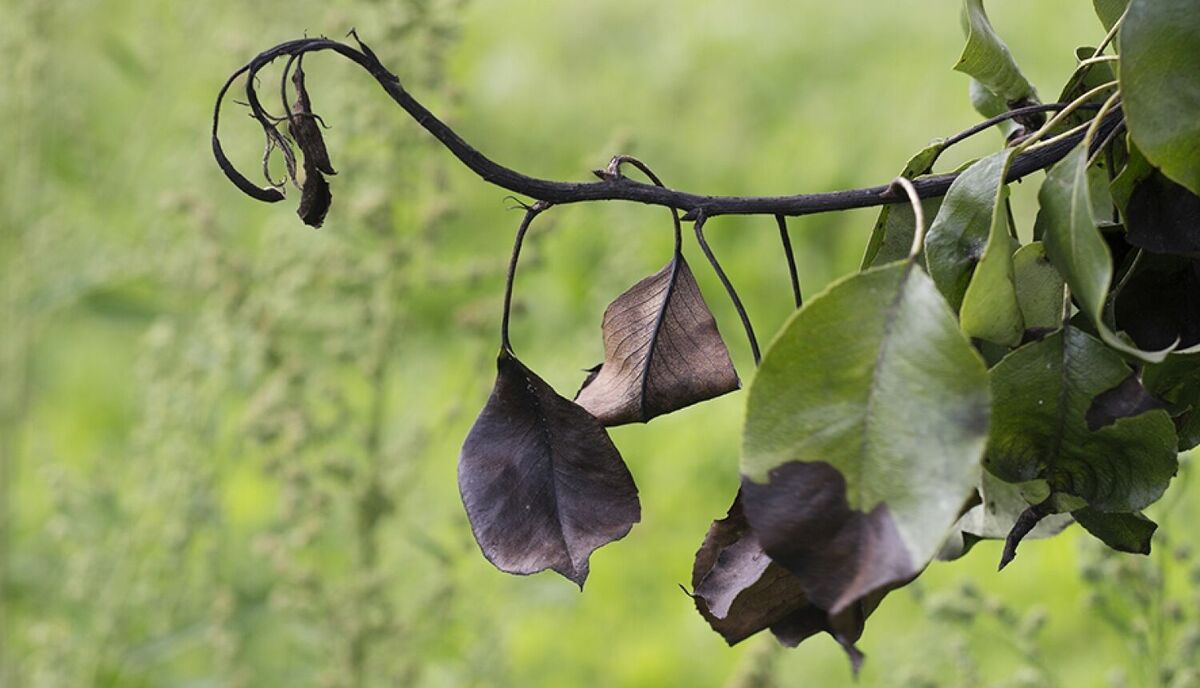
{"points": [[1176, 381], [959, 235], [988, 60], [990, 309], [1041, 396], [1081, 82], [1109, 11], [864, 430], [1125, 532], [1039, 288], [892, 237], [1160, 85], [1076, 247], [989, 105]]}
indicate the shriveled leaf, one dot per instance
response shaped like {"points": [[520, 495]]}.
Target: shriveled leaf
{"points": [[1160, 92], [304, 128], [315, 198], [864, 430], [971, 215], [542, 483], [988, 60], [740, 591], [1159, 306], [1127, 399], [1077, 248], [1039, 288], [1041, 394], [1125, 532], [892, 237], [1163, 217], [662, 351]]}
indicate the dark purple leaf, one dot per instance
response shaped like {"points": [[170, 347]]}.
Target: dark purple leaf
{"points": [[1127, 399], [542, 483], [740, 591], [1160, 303], [841, 556], [662, 351], [1163, 217]]}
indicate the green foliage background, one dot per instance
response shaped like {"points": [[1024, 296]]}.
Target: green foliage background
{"points": [[228, 441]]}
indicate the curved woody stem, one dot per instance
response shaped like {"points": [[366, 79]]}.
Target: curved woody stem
{"points": [[609, 188]]}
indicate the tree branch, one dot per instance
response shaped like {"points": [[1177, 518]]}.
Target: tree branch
{"points": [[610, 187]]}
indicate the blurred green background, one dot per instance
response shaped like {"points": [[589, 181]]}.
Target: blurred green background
{"points": [[228, 441]]}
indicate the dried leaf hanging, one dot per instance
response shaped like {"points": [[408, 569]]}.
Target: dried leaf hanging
{"points": [[662, 351], [542, 483]]}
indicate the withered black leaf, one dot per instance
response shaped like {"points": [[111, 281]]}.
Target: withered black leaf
{"points": [[542, 483], [1129, 398], [740, 591], [662, 351], [1159, 304], [842, 556], [315, 196], [304, 128], [736, 586], [1163, 217]]}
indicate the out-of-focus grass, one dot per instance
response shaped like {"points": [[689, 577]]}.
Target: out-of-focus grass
{"points": [[110, 181]]}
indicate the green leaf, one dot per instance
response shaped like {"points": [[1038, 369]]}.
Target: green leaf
{"points": [[1041, 395], [987, 59], [959, 234], [989, 105], [1109, 11], [1076, 247], [1125, 532], [1160, 86], [1177, 382], [864, 430], [1082, 81], [990, 309], [892, 237], [1039, 288]]}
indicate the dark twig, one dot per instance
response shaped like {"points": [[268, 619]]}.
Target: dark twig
{"points": [[791, 259], [1012, 114], [619, 188], [733, 295], [531, 211]]}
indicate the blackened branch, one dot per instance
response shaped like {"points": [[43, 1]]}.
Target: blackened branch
{"points": [[614, 187]]}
